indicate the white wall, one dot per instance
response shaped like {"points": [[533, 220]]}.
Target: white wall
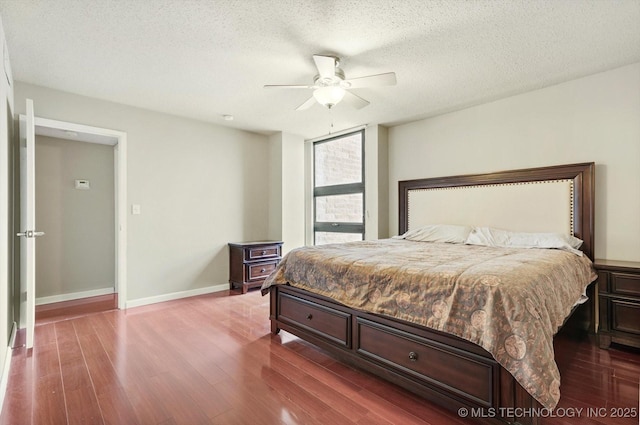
{"points": [[376, 182], [287, 190], [596, 118], [6, 224], [293, 192], [77, 253], [275, 187], [199, 186]]}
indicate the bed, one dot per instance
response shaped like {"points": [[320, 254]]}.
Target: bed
{"points": [[404, 348]]}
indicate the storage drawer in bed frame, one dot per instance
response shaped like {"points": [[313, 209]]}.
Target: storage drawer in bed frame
{"points": [[439, 367], [321, 320], [428, 361]]}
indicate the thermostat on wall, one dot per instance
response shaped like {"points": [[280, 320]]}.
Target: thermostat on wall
{"points": [[83, 184]]}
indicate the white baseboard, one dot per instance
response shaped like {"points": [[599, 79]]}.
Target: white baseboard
{"points": [[176, 295], [74, 296], [4, 380]]}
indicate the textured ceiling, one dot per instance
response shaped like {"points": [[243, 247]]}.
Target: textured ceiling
{"points": [[203, 59]]}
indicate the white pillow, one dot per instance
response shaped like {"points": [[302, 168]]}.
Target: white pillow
{"points": [[449, 233], [488, 236], [574, 242]]}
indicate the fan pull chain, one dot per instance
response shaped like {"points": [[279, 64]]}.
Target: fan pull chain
{"points": [[331, 120]]}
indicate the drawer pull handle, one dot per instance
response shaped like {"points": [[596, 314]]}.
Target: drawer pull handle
{"points": [[264, 252], [309, 316], [413, 356], [262, 270]]}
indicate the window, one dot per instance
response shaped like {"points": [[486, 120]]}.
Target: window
{"points": [[338, 189]]}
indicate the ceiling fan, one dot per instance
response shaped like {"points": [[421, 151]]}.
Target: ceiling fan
{"points": [[330, 86]]}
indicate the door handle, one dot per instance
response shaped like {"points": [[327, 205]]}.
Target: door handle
{"points": [[30, 234]]}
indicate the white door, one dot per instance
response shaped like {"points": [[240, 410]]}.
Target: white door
{"points": [[28, 233]]}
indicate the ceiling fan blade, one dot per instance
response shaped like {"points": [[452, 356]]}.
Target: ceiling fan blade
{"points": [[387, 79], [326, 66], [354, 100], [306, 105], [291, 86]]}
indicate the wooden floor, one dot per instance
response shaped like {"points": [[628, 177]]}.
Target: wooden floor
{"points": [[55, 312], [212, 360]]}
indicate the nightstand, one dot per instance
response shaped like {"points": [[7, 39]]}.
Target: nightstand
{"points": [[619, 299], [251, 262]]}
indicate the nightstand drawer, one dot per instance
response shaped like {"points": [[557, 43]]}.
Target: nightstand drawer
{"points": [[625, 316], [262, 252], [331, 324], [260, 271], [625, 284]]}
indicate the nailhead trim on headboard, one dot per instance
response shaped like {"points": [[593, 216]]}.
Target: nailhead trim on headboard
{"points": [[570, 182]]}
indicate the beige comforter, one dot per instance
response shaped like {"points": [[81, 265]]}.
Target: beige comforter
{"points": [[509, 301]]}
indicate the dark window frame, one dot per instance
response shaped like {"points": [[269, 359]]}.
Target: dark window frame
{"points": [[339, 189]]}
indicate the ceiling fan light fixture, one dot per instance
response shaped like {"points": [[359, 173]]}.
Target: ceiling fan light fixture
{"points": [[329, 96], [330, 86]]}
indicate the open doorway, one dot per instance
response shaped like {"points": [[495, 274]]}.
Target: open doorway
{"points": [[84, 210]]}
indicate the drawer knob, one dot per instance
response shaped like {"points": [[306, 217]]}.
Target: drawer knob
{"points": [[413, 356], [262, 270], [264, 252], [309, 316]]}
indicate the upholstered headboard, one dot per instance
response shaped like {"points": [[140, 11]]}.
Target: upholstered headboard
{"points": [[557, 199]]}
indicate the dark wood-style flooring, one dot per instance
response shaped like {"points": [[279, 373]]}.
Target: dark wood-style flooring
{"points": [[55, 312], [212, 360]]}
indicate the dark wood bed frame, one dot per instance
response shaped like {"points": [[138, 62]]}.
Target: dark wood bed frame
{"points": [[440, 367]]}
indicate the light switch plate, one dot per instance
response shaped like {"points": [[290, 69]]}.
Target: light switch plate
{"points": [[135, 209], [83, 184]]}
